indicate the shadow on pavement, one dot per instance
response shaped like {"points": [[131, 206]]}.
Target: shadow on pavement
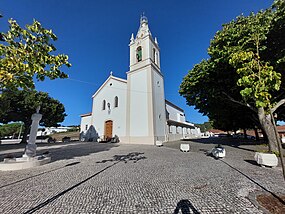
{"points": [[262, 187], [65, 151], [253, 162], [206, 144], [132, 156], [226, 141], [116, 159], [67, 165], [185, 206]]}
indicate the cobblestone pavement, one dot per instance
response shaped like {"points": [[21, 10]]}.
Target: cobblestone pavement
{"points": [[117, 178]]}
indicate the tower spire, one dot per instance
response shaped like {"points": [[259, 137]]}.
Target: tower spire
{"points": [[143, 19], [132, 40]]}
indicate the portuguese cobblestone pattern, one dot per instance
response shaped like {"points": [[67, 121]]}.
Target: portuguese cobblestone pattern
{"points": [[116, 178]]}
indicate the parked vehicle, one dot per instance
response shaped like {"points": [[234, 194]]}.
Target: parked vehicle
{"points": [[222, 135], [241, 136], [45, 139], [66, 139], [250, 137]]}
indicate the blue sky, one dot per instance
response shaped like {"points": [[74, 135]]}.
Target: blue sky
{"points": [[95, 35]]}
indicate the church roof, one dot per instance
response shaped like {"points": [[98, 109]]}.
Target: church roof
{"points": [[109, 78], [182, 124], [173, 105], [86, 115]]}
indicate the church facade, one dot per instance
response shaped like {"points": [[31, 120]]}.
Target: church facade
{"points": [[135, 109]]}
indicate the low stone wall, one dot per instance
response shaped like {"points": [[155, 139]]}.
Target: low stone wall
{"points": [[174, 137]]}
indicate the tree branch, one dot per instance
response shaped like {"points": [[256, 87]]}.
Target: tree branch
{"points": [[278, 96], [240, 103], [280, 103]]}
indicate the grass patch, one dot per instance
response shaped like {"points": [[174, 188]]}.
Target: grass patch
{"points": [[73, 135]]}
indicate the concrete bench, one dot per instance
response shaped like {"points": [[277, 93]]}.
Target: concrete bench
{"points": [[184, 147], [158, 143], [265, 159]]}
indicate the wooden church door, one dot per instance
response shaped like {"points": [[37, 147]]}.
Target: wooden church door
{"points": [[108, 129]]}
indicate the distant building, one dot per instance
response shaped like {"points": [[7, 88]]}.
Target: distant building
{"points": [[52, 130], [281, 130], [135, 109]]}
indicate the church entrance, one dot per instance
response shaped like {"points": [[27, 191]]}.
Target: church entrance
{"points": [[108, 129]]}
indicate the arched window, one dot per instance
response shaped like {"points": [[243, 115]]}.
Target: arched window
{"points": [[104, 105], [139, 54], [116, 102], [154, 55]]}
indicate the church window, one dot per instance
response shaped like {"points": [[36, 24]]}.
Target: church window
{"points": [[86, 127], [116, 101], [104, 105], [139, 54], [154, 55]]}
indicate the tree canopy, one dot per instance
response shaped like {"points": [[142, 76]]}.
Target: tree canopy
{"points": [[206, 126], [242, 83], [19, 105], [26, 53], [11, 129]]}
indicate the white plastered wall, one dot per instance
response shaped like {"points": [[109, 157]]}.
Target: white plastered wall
{"points": [[139, 104], [85, 123], [108, 92], [159, 106], [175, 114]]}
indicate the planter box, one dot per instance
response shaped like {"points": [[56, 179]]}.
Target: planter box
{"points": [[184, 147], [158, 143], [265, 159]]}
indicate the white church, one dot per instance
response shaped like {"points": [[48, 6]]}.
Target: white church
{"points": [[134, 109]]}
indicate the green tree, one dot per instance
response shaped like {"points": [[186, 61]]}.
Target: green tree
{"points": [[19, 105], [206, 126], [11, 129], [242, 74], [26, 53]]}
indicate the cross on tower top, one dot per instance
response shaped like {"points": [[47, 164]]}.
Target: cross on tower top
{"points": [[143, 18]]}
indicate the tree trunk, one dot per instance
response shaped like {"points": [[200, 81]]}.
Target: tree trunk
{"points": [[279, 145], [26, 131], [256, 134], [264, 136], [268, 127], [244, 134]]}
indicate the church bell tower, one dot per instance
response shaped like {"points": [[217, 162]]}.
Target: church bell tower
{"points": [[146, 120]]}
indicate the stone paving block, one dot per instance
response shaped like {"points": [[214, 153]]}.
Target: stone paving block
{"points": [[95, 178]]}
